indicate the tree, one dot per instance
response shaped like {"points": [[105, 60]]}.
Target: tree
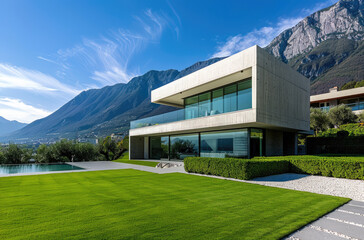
{"points": [[110, 149], [319, 120], [85, 152], [2, 157], [13, 154], [341, 114], [43, 154], [125, 142], [361, 117]]}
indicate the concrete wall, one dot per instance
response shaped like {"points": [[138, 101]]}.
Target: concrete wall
{"points": [[283, 95], [228, 70], [136, 147], [236, 119], [274, 143]]}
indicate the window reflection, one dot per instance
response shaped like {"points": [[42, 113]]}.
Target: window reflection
{"points": [[233, 143], [183, 146]]}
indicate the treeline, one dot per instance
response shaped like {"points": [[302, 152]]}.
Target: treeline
{"points": [[338, 118], [65, 151]]}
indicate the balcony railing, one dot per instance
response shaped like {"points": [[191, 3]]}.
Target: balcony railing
{"points": [[354, 106], [173, 116]]}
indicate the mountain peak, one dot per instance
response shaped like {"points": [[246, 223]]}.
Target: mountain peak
{"points": [[7, 126], [341, 20]]}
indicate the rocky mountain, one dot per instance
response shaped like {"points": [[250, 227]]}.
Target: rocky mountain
{"points": [[326, 46], [7, 126], [100, 112], [342, 20]]}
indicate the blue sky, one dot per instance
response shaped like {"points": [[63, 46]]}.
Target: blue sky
{"points": [[52, 50]]}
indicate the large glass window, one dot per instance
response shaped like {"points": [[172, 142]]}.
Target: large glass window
{"points": [[230, 100], [245, 94], [256, 142], [159, 147], [223, 144], [217, 101], [204, 104], [191, 107], [183, 146]]}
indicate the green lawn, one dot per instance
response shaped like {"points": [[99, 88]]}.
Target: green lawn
{"points": [[131, 204], [125, 159]]}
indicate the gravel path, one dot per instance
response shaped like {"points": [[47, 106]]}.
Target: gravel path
{"points": [[341, 187]]}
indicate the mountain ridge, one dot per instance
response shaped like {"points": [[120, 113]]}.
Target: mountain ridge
{"points": [[326, 46], [100, 112], [8, 126]]}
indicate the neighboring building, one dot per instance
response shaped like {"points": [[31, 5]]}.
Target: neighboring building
{"points": [[354, 98], [246, 105]]}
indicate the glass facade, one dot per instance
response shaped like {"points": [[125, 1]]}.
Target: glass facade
{"points": [[159, 147], [238, 143], [183, 146], [256, 142], [204, 104], [233, 97], [191, 107], [230, 98], [245, 94], [217, 101], [233, 143]]}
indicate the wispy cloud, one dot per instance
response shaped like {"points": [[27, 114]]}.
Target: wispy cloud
{"points": [[263, 36], [107, 59], [16, 109], [14, 77]]}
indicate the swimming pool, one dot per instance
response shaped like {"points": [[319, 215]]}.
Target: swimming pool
{"points": [[28, 168]]}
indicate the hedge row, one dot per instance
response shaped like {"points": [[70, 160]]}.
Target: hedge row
{"points": [[330, 166], [340, 167], [235, 168]]}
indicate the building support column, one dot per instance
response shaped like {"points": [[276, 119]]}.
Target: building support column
{"points": [[146, 147]]}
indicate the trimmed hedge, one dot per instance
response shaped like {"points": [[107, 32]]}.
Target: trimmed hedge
{"points": [[330, 166], [340, 167], [235, 168]]}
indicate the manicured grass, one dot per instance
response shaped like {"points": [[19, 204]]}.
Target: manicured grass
{"points": [[131, 204], [125, 159]]}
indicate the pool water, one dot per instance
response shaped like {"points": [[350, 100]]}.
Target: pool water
{"points": [[28, 168]]}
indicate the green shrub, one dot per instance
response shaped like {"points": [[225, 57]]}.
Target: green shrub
{"points": [[341, 114], [331, 166], [235, 168], [354, 129]]}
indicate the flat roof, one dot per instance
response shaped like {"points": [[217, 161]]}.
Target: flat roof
{"points": [[232, 69], [354, 92]]}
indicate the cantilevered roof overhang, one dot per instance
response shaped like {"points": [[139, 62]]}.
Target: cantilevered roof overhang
{"points": [[354, 92], [228, 70]]}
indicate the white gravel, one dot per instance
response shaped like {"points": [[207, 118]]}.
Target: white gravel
{"points": [[341, 187]]}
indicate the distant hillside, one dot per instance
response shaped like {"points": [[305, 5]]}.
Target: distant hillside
{"points": [[7, 126], [327, 46], [100, 112]]}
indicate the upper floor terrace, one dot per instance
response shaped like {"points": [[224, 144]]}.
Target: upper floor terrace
{"points": [[248, 89]]}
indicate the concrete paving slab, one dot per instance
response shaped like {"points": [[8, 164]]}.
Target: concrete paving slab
{"points": [[336, 225], [351, 208], [346, 216], [313, 234]]}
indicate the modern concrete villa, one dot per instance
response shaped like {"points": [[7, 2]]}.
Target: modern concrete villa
{"points": [[353, 98], [249, 104]]}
